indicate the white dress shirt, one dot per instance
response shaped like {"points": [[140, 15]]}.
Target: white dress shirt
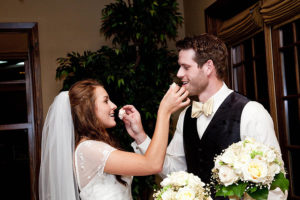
{"points": [[255, 122]]}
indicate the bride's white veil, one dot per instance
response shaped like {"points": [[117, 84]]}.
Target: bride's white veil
{"points": [[57, 180]]}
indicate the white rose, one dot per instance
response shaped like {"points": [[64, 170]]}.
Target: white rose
{"points": [[274, 169], [218, 162], [271, 156], [249, 144], [168, 195], [244, 157], [165, 182], [238, 167], [228, 157], [227, 175], [179, 178], [121, 113], [194, 181], [185, 193], [256, 171]]}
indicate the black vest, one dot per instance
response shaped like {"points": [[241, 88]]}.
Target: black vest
{"points": [[222, 131]]}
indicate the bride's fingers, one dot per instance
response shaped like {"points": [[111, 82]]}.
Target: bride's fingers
{"points": [[173, 88], [185, 102], [184, 95], [181, 91]]}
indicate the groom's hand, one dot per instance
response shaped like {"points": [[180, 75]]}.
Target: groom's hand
{"points": [[133, 124]]}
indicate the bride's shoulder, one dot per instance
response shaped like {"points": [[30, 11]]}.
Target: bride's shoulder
{"points": [[94, 151], [93, 145]]}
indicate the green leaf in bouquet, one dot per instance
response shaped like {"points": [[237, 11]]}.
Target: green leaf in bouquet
{"points": [[222, 163], [252, 189], [231, 190], [224, 191], [281, 182], [260, 194], [256, 153], [239, 189]]}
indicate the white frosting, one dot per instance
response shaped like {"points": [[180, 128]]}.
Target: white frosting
{"points": [[173, 84], [121, 113]]}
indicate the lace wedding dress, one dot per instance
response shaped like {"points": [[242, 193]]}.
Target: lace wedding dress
{"points": [[93, 182]]}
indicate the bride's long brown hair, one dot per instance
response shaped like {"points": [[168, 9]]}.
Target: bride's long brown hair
{"points": [[86, 124]]}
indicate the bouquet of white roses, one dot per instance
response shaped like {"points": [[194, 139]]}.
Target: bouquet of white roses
{"points": [[182, 186], [249, 168]]}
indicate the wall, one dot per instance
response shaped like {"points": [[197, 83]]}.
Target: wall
{"points": [[64, 26], [194, 16]]}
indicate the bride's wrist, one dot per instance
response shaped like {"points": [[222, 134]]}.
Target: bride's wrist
{"points": [[163, 112]]}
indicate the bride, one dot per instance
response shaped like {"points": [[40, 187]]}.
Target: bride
{"points": [[79, 158]]}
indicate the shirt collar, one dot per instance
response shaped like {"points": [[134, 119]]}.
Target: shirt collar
{"points": [[220, 96]]}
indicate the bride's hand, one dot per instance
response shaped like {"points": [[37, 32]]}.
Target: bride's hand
{"points": [[175, 98], [133, 124]]}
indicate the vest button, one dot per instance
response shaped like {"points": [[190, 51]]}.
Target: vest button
{"points": [[201, 160], [200, 149]]}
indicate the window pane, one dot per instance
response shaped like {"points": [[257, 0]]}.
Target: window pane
{"points": [[14, 167], [295, 165], [298, 29], [287, 34], [259, 44], [249, 74], [262, 82], [238, 79], [298, 50], [236, 54], [248, 50], [250, 80], [12, 70], [13, 104], [292, 109], [289, 72]]}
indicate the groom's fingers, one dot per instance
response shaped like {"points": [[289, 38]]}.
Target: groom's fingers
{"points": [[129, 109], [133, 109], [126, 121]]}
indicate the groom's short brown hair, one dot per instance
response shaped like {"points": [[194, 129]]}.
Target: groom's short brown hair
{"points": [[207, 47]]}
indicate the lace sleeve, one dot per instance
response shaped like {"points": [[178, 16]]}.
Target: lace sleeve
{"points": [[90, 159]]}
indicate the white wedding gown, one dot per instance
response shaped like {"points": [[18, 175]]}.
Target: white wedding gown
{"points": [[94, 184]]}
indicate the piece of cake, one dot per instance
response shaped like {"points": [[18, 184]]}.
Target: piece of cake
{"points": [[121, 113]]}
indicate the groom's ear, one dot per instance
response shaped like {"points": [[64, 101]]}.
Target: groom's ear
{"points": [[210, 67]]}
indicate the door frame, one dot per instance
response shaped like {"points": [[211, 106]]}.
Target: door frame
{"points": [[34, 97]]}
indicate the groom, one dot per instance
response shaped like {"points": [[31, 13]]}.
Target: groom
{"points": [[224, 117]]}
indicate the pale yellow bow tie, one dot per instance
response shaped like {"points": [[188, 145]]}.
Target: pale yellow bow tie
{"points": [[206, 108]]}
